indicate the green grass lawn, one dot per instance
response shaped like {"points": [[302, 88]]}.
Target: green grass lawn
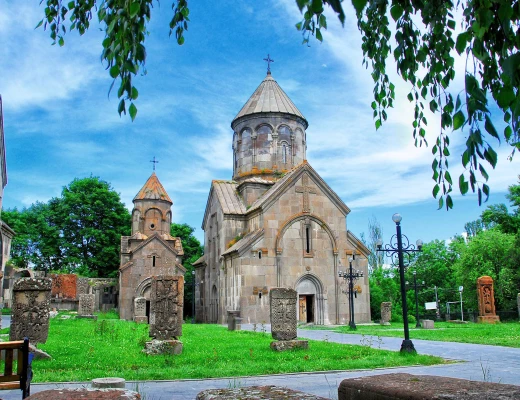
{"points": [[502, 334], [83, 349]]}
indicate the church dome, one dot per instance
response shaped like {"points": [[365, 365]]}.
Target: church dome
{"points": [[269, 134], [269, 98]]}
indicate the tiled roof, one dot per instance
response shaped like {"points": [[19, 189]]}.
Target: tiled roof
{"points": [[153, 190], [269, 97], [227, 195], [246, 241], [256, 179]]}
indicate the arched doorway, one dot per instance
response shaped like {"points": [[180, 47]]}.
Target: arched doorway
{"points": [[310, 300], [213, 305]]}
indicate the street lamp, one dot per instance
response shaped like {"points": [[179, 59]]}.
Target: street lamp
{"points": [[350, 277], [396, 247]]}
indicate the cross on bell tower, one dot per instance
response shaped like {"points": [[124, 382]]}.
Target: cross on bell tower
{"points": [[154, 162], [269, 61]]}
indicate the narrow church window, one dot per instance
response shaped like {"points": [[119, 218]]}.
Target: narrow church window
{"points": [[153, 261], [284, 154], [260, 255], [307, 239]]}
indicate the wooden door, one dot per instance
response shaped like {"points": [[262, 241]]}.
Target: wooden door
{"points": [[303, 308]]}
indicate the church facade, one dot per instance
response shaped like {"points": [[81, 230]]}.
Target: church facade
{"points": [[150, 250], [276, 224]]}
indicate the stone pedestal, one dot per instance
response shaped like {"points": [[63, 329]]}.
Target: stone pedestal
{"points": [[156, 347], [488, 319], [427, 324], [141, 320], [140, 310], [283, 345], [231, 319], [104, 383], [386, 313]]}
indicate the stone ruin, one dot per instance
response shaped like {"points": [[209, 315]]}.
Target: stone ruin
{"points": [[386, 313], [486, 300], [86, 306], [283, 319], [30, 309], [166, 307], [140, 310]]}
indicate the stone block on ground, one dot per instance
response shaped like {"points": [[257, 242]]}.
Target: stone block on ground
{"points": [[155, 347], [422, 387], [86, 394], [283, 345], [105, 383], [86, 305], [427, 324], [256, 393]]}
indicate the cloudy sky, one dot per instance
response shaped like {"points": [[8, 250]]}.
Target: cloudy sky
{"points": [[60, 123]]}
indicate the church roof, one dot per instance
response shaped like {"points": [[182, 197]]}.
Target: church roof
{"points": [[227, 195], [269, 98], [153, 190], [245, 242]]}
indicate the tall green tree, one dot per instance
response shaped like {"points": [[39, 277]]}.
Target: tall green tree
{"points": [[93, 219], [489, 253], [424, 52], [499, 216], [193, 250], [375, 233]]}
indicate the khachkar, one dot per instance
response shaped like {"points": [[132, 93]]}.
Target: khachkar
{"points": [[166, 306], [86, 306], [30, 310], [386, 313], [486, 300], [283, 319], [140, 310]]}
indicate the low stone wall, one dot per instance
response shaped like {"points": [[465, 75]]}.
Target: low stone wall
{"points": [[257, 393], [422, 387]]}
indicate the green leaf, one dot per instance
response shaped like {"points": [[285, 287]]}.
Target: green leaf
{"points": [[447, 176], [441, 202], [317, 6], [121, 108], [483, 172], [114, 71], [463, 185], [490, 128], [318, 35], [71, 5], [180, 40], [491, 156], [135, 93], [396, 11], [435, 191], [378, 123], [451, 24], [359, 5], [61, 41], [39, 24], [458, 120], [508, 132], [511, 66], [323, 21], [449, 202], [134, 9], [133, 111]]}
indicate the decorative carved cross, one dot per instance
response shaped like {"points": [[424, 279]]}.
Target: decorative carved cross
{"points": [[306, 190], [154, 162]]}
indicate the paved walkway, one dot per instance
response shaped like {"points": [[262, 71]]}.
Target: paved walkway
{"points": [[477, 362]]}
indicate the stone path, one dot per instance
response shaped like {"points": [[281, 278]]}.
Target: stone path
{"points": [[477, 362]]}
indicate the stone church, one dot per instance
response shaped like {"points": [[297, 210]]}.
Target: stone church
{"points": [[151, 250], [276, 224]]}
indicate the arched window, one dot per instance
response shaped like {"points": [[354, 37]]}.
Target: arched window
{"points": [[284, 153]]}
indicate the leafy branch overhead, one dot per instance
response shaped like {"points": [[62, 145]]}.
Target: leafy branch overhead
{"points": [[125, 26], [425, 49]]}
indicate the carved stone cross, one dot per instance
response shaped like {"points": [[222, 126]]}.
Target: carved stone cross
{"points": [[306, 189]]}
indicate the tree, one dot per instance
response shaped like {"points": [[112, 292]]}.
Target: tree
{"points": [[489, 253], [375, 233], [192, 252], [93, 219], [424, 53], [498, 215], [38, 241]]}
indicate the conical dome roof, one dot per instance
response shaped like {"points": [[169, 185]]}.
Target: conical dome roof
{"points": [[153, 190], [269, 98]]}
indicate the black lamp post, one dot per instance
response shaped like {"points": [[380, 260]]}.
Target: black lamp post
{"points": [[351, 276], [415, 286], [193, 296], [396, 247]]}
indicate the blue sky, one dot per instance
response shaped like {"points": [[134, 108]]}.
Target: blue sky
{"points": [[60, 123]]}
